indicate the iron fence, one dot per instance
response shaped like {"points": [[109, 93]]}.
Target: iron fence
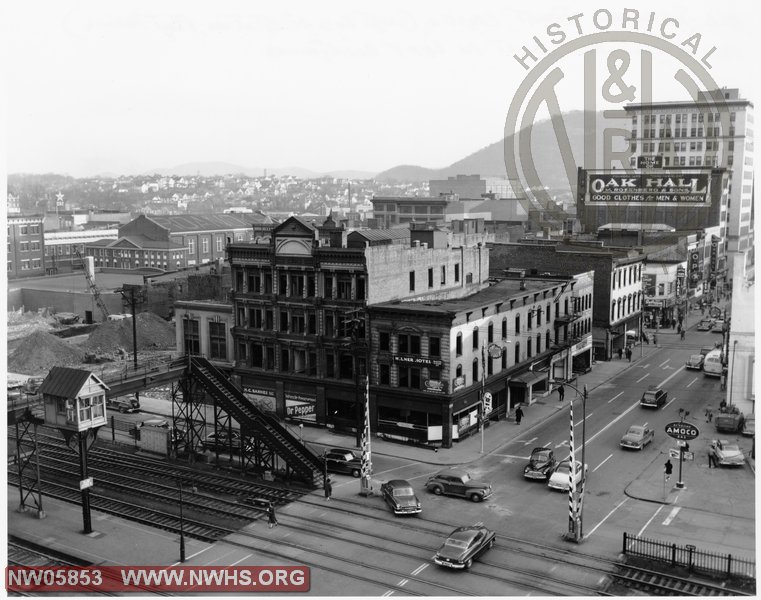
{"points": [[688, 556]]}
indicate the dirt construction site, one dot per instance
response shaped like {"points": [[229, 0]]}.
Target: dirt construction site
{"points": [[37, 342]]}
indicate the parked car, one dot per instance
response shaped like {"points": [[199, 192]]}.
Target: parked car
{"points": [[32, 385], [400, 497], [637, 437], [718, 326], [343, 461], [695, 362], [454, 482], [705, 325], [124, 404], [749, 426], [654, 397], [221, 440], [541, 464], [155, 422], [729, 419], [463, 546], [713, 365], [559, 480], [728, 454]]}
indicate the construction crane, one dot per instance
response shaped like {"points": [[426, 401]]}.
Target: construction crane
{"points": [[93, 288]]}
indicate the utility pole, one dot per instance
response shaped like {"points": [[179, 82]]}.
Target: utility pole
{"points": [[131, 300]]}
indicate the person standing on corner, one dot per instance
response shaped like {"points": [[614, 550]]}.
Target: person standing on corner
{"points": [[561, 392], [518, 415], [712, 457]]}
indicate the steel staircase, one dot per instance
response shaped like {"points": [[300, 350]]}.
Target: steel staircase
{"points": [[298, 457]]}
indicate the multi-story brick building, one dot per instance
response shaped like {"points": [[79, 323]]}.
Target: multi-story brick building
{"points": [[716, 130], [26, 246], [300, 307], [617, 282], [61, 248]]}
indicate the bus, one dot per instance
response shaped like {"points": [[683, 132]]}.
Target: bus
{"points": [[712, 366]]}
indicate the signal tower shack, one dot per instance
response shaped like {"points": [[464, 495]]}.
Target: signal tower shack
{"points": [[75, 402]]}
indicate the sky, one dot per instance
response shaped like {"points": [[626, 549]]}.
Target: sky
{"points": [[100, 87]]}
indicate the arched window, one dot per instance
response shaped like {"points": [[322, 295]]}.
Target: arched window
{"points": [[490, 333], [517, 352], [475, 369], [613, 311], [517, 324], [547, 339], [504, 328], [458, 345], [475, 338], [538, 343], [504, 359], [458, 371], [528, 348], [538, 316]]}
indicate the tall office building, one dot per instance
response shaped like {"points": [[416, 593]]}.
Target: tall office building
{"points": [[716, 130]]}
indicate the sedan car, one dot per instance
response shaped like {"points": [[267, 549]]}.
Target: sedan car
{"points": [[222, 441], [463, 546], [654, 397], [343, 461], [123, 405], [728, 454], [454, 482], [718, 326], [400, 497], [705, 325], [637, 437], [695, 362], [559, 480], [541, 464]]}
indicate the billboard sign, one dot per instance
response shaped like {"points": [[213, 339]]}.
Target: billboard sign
{"points": [[647, 189]]}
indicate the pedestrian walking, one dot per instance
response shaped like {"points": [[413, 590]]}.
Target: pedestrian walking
{"points": [[620, 353], [561, 392], [629, 354], [518, 415], [673, 323], [681, 334], [679, 328], [328, 489], [712, 457], [271, 515], [655, 340]]}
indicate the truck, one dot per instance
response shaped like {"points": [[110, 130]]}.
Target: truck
{"points": [[729, 419]]}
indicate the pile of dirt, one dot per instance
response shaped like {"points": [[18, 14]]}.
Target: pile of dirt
{"points": [[40, 351], [153, 333], [22, 324]]}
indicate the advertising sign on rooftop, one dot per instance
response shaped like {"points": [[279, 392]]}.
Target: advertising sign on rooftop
{"points": [[652, 188]]}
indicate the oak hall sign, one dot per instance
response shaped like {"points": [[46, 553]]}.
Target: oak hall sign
{"points": [[682, 431]]}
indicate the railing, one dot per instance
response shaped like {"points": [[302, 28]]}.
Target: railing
{"points": [[696, 561]]}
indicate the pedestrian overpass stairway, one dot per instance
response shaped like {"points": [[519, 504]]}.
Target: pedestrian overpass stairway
{"points": [[298, 457]]}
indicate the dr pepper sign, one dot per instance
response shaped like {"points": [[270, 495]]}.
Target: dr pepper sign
{"points": [[682, 431]]}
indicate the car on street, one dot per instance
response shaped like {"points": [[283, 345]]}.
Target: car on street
{"points": [[124, 404], [749, 426], [155, 422], [541, 464], [339, 460], [222, 441], [713, 365], [637, 437], [705, 325], [463, 546], [729, 419], [400, 497], [456, 482], [728, 454], [560, 479], [654, 397], [718, 326], [695, 362]]}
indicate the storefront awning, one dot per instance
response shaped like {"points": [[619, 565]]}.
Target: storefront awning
{"points": [[528, 378]]}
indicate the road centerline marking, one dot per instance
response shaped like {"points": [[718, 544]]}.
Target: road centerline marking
{"points": [[602, 463], [643, 377], [691, 382], [614, 397], [605, 518]]}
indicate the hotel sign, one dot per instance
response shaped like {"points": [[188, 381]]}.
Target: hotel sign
{"points": [[653, 188], [418, 361]]}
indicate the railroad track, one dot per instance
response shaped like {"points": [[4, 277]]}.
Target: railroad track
{"points": [[28, 554], [654, 583], [133, 512]]}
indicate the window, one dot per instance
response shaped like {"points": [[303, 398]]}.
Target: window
{"points": [[412, 281], [191, 246], [443, 275], [458, 345], [384, 340], [434, 346], [475, 338], [283, 320], [430, 277], [504, 328], [385, 375], [23, 247], [217, 340], [517, 324], [528, 348], [85, 409], [409, 344], [517, 352], [205, 245], [191, 336], [409, 377], [220, 244], [457, 273], [475, 369]]}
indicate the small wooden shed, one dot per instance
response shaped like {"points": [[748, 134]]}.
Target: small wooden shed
{"points": [[74, 399]]}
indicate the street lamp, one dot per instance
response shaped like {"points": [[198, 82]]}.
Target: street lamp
{"points": [[576, 512]]}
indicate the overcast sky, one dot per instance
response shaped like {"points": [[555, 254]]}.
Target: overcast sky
{"points": [[125, 87]]}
